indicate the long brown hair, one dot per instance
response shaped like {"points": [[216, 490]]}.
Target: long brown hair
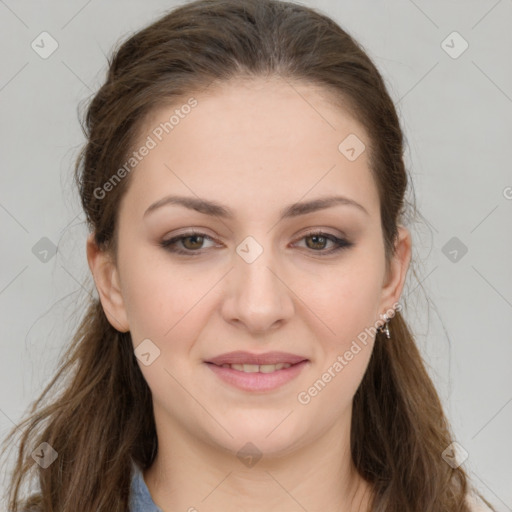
{"points": [[97, 411]]}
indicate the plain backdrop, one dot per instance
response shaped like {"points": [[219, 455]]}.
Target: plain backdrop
{"points": [[455, 105]]}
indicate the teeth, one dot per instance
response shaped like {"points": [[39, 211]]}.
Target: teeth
{"points": [[253, 368]]}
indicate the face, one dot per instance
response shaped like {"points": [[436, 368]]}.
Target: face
{"points": [[256, 274]]}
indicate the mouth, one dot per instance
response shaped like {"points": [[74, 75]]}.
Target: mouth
{"points": [[258, 378], [243, 358], [256, 368]]}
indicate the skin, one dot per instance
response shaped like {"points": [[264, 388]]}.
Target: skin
{"points": [[253, 146]]}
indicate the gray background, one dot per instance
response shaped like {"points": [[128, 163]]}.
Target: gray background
{"points": [[456, 114]]}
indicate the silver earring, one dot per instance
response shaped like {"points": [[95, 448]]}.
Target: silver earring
{"points": [[385, 328]]}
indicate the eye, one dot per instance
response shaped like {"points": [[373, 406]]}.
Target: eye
{"points": [[317, 241], [191, 241]]}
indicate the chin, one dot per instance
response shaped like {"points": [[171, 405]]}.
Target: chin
{"points": [[271, 439]]}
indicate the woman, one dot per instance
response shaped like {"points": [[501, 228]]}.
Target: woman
{"points": [[244, 186]]}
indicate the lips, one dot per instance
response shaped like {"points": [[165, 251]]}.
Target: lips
{"points": [[255, 380], [242, 357]]}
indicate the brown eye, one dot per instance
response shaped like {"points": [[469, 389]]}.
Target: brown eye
{"points": [[197, 242], [318, 241], [187, 244]]}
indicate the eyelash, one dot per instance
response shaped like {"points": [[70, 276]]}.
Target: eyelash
{"points": [[169, 245]]}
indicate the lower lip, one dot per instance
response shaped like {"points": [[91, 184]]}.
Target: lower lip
{"points": [[258, 381]]}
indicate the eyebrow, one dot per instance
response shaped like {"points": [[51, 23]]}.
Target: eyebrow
{"points": [[293, 210]]}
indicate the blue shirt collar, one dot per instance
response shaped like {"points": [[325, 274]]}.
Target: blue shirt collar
{"points": [[140, 498]]}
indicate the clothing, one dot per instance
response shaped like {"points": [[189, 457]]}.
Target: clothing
{"points": [[140, 498]]}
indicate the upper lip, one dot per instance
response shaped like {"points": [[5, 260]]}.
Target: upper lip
{"points": [[241, 357]]}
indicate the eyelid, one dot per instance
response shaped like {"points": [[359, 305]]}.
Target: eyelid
{"points": [[340, 242], [323, 232], [186, 234]]}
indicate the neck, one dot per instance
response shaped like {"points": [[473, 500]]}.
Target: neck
{"points": [[191, 475]]}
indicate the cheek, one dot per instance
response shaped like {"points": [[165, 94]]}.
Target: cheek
{"points": [[345, 317], [331, 392], [156, 294], [345, 302]]}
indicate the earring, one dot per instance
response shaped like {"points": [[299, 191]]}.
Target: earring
{"points": [[385, 327]]}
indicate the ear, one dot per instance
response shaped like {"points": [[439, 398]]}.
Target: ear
{"points": [[395, 277], [106, 278]]}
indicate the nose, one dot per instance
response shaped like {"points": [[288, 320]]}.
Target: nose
{"points": [[257, 295]]}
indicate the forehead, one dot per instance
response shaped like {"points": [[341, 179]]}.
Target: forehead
{"points": [[254, 139]]}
